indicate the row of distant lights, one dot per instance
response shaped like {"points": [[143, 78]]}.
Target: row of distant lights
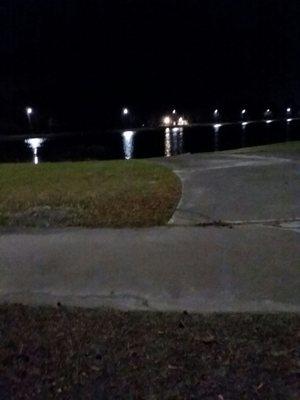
{"points": [[244, 112], [181, 121], [267, 114]]}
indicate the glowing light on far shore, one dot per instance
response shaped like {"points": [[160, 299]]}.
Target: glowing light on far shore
{"points": [[182, 121], [125, 111], [217, 126], [167, 120], [289, 120], [288, 110], [244, 111], [245, 123], [269, 121]]}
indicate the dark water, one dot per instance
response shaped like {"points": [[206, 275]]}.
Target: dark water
{"points": [[146, 143]]}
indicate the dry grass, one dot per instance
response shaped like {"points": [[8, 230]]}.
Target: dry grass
{"points": [[72, 354], [94, 194]]}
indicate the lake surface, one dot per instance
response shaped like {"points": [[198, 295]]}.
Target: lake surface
{"points": [[145, 143]]}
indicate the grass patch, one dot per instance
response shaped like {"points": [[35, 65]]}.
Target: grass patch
{"points": [[290, 148], [107, 194], [63, 353]]}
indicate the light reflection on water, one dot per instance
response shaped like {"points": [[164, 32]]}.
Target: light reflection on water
{"points": [[216, 136], [244, 128], [173, 141], [167, 143], [35, 144], [128, 142]]}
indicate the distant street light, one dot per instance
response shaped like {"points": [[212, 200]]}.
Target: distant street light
{"points": [[29, 112], [268, 114], [125, 111], [243, 114], [289, 111], [216, 113], [174, 112]]}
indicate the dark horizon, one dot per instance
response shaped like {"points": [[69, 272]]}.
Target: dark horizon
{"points": [[79, 62]]}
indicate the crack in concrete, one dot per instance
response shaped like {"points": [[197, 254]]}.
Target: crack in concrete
{"points": [[273, 222], [230, 224]]}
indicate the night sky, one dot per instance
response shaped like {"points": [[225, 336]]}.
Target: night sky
{"points": [[79, 61]]}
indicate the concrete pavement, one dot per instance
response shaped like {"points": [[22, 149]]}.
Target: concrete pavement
{"points": [[247, 268], [237, 187]]}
